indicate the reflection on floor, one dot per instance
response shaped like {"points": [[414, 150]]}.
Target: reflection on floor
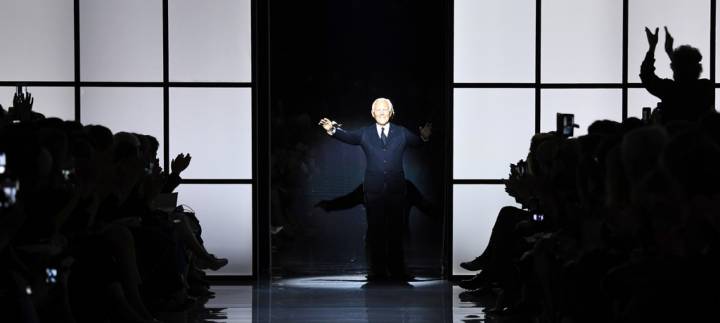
{"points": [[340, 299]]}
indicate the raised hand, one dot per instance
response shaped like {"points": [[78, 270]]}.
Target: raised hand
{"points": [[22, 104], [668, 42], [180, 163], [21, 101], [652, 37], [327, 124], [426, 131]]}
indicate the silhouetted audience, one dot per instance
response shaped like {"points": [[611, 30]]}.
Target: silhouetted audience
{"points": [[83, 234], [621, 224]]}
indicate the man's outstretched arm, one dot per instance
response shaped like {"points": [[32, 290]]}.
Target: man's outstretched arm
{"points": [[333, 129]]}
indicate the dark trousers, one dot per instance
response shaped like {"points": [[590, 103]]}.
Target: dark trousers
{"points": [[384, 239]]}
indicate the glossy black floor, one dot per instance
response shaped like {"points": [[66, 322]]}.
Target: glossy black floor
{"points": [[339, 299]]}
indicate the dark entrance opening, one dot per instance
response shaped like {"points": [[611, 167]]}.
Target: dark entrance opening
{"points": [[332, 59]]}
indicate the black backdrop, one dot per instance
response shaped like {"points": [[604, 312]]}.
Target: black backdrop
{"points": [[332, 59]]}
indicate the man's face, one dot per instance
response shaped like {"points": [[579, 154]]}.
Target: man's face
{"points": [[381, 113]]}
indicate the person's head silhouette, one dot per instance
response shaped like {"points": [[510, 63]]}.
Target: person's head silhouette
{"points": [[685, 63]]}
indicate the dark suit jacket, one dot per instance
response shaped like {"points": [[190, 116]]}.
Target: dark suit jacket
{"points": [[384, 170]]}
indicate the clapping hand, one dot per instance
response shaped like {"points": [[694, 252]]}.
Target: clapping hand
{"points": [[652, 37], [180, 163], [426, 131], [669, 40]]}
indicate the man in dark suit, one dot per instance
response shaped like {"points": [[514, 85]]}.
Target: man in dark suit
{"points": [[384, 186]]}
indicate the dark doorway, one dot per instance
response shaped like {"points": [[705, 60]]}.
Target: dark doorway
{"points": [[332, 59]]}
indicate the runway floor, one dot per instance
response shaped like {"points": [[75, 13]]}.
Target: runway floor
{"points": [[339, 299]]}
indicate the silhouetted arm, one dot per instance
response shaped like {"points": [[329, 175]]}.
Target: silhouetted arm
{"points": [[416, 199], [344, 202], [652, 83]]}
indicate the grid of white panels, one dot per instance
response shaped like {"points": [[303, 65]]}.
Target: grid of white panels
{"points": [[579, 71], [120, 83]]}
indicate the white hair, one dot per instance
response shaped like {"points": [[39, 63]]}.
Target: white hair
{"points": [[379, 101]]}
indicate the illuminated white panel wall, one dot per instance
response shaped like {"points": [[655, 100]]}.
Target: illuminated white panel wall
{"points": [[57, 102], [210, 41], [491, 129], [215, 127], [688, 22], [138, 110], [639, 98], [581, 41], [494, 41], [225, 214], [475, 208], [121, 40], [37, 40], [588, 106]]}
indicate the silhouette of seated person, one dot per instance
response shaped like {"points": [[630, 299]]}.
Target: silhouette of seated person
{"points": [[686, 96]]}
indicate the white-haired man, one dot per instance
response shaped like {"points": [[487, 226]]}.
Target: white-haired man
{"points": [[384, 186]]}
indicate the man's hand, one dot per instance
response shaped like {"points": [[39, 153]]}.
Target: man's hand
{"points": [[668, 43], [652, 37], [426, 131], [327, 124], [180, 163]]}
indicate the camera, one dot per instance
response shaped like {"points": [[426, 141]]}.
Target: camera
{"points": [[522, 168], [3, 163], [51, 275], [8, 194], [68, 174], [646, 114], [565, 124]]}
